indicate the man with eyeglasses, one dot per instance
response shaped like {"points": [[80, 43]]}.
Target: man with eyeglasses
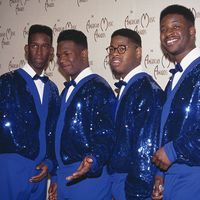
{"points": [[137, 118]]}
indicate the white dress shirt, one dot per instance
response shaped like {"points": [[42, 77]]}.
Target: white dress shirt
{"points": [[39, 84], [185, 62]]}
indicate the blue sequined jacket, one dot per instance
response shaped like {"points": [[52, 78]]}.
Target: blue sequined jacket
{"points": [[181, 121], [26, 126], [137, 124], [85, 125]]}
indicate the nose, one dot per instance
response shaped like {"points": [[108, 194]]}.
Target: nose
{"points": [[39, 50], [115, 52], [60, 60], [169, 31]]}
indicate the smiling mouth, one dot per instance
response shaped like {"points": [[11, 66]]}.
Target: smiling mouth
{"points": [[115, 62], [171, 42]]}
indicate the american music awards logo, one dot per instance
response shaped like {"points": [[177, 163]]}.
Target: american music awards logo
{"points": [[98, 27], [49, 4], [106, 62], [60, 26], [18, 5], [139, 24], [6, 36], [160, 65], [50, 69], [12, 65]]}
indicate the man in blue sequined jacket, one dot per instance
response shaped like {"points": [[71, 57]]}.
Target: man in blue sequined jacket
{"points": [[84, 135], [29, 106], [179, 156], [137, 119]]}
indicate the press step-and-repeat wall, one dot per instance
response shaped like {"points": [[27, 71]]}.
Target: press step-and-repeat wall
{"points": [[97, 19]]}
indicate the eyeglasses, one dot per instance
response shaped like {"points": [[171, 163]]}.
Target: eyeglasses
{"points": [[121, 49]]}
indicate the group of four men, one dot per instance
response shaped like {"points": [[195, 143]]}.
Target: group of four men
{"points": [[94, 145]]}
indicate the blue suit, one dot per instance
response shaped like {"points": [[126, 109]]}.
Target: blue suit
{"points": [[85, 127], [26, 134], [137, 127], [180, 129]]}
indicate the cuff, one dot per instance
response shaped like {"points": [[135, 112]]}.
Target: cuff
{"points": [[53, 179], [159, 173], [49, 164], [170, 151]]}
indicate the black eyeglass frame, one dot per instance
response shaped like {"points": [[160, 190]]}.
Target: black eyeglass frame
{"points": [[121, 49]]}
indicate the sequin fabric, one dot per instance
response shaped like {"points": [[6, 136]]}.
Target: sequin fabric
{"points": [[183, 120], [88, 123], [137, 127], [19, 120]]}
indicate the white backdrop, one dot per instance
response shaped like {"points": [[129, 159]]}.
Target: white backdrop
{"points": [[97, 19]]}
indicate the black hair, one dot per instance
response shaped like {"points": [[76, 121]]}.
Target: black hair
{"points": [[73, 35], [130, 34], [180, 10], [37, 28]]}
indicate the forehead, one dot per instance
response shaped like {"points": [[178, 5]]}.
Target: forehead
{"points": [[66, 44], [118, 39], [173, 18], [40, 37]]}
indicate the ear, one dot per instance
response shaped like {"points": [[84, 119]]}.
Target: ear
{"points": [[139, 53], [192, 31], [51, 55], [26, 51], [84, 54]]}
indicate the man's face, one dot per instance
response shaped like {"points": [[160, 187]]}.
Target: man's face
{"points": [[39, 51], [122, 63], [177, 35], [70, 58]]}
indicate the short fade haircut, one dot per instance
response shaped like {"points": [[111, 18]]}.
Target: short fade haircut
{"points": [[130, 34], [180, 10], [37, 28], [76, 36]]}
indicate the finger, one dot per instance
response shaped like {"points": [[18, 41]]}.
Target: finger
{"points": [[38, 177], [82, 170], [75, 175], [157, 191], [89, 160]]}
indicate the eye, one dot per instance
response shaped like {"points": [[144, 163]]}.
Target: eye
{"points": [[33, 46], [46, 46], [68, 53], [121, 48], [110, 49], [176, 27], [162, 30]]}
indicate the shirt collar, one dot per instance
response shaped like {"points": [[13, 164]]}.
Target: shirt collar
{"points": [[28, 69], [190, 57], [86, 72], [132, 73]]}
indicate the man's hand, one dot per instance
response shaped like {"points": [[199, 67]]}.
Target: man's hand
{"points": [[158, 188], [52, 192], [41, 175], [82, 170], [161, 160]]}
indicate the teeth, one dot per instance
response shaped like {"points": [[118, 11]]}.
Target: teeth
{"points": [[169, 42], [116, 61]]}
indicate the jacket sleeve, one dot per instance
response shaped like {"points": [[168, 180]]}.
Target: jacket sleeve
{"points": [[187, 146], [102, 133]]}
